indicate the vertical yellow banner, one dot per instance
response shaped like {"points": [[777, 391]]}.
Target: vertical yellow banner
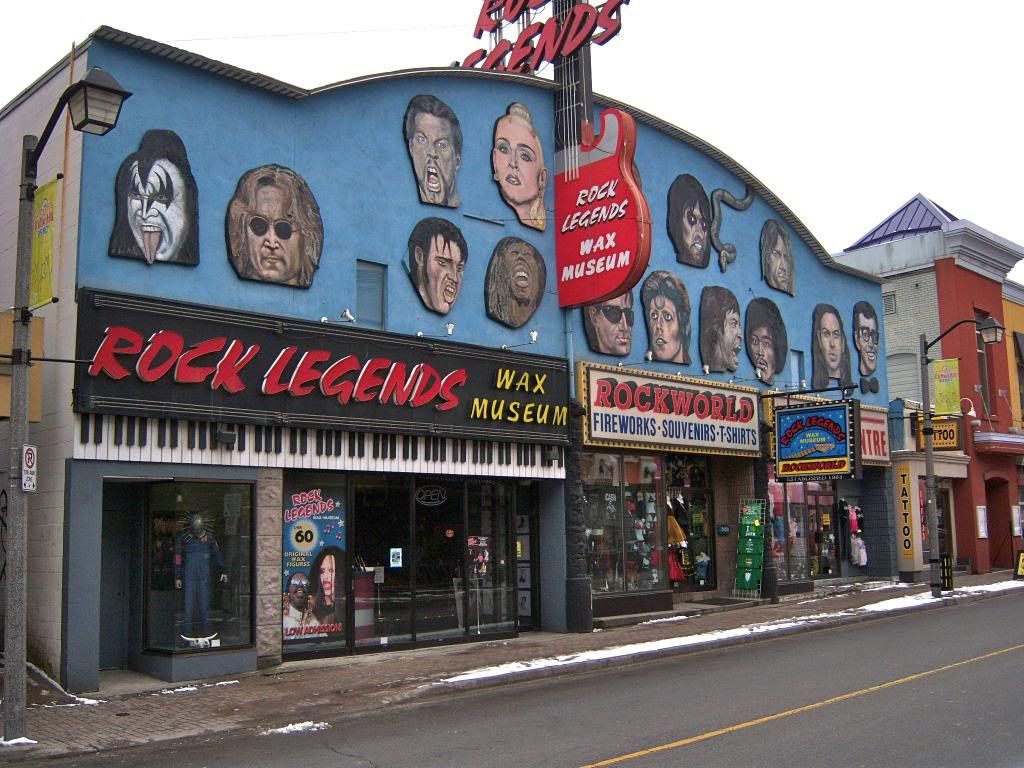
{"points": [[947, 386], [44, 224]]}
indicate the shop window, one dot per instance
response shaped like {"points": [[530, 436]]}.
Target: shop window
{"points": [[371, 294], [198, 566], [691, 526], [624, 529]]}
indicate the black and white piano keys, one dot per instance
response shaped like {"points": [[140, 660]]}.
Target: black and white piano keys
{"points": [[184, 441]]}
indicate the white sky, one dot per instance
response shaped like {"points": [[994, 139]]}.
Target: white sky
{"points": [[844, 110]]}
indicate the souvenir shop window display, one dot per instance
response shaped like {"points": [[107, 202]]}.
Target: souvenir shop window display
{"points": [[603, 514], [198, 591], [690, 523], [623, 522]]}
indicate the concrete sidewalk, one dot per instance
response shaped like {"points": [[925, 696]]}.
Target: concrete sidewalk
{"points": [[336, 688]]}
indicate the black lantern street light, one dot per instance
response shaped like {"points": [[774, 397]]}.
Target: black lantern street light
{"points": [[94, 103], [991, 332]]}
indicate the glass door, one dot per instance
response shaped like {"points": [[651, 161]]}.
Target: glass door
{"points": [[440, 544], [381, 562], [490, 588]]}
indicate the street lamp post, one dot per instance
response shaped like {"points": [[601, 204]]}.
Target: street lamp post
{"points": [[991, 333], [95, 104]]}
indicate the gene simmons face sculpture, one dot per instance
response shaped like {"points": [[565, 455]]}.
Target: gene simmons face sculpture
{"points": [[156, 203]]}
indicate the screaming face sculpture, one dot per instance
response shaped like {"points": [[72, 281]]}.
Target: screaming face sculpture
{"points": [[157, 203]]}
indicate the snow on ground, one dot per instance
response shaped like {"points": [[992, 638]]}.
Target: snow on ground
{"points": [[20, 742], [307, 725], [710, 638]]}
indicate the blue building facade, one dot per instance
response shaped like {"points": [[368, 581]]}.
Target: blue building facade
{"points": [[327, 350]]}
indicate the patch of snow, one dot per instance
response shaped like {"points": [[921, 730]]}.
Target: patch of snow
{"points": [[665, 621], [19, 742], [183, 689], [307, 725], [222, 682]]}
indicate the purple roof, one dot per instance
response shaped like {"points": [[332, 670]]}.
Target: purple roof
{"points": [[919, 215]]}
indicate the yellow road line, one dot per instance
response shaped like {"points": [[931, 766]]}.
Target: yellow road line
{"points": [[798, 710]]}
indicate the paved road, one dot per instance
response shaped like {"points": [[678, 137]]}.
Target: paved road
{"points": [[935, 688]]}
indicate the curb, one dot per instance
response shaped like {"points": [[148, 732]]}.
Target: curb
{"points": [[585, 667]]}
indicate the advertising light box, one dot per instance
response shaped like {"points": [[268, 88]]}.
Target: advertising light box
{"points": [[817, 442]]}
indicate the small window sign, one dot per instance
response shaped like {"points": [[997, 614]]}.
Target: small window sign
{"points": [[724, 530], [396, 557]]}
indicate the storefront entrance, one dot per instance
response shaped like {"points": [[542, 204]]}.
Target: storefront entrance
{"points": [[435, 559]]}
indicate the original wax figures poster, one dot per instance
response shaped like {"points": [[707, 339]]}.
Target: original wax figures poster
{"points": [[313, 566], [157, 203]]}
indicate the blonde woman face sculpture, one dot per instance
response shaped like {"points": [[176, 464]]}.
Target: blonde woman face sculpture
{"points": [[518, 162]]}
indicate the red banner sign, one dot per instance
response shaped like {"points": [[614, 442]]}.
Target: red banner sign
{"points": [[603, 241]]}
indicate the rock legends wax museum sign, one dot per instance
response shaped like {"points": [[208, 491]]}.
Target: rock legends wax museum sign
{"points": [[817, 442], [671, 413], [161, 358], [603, 243]]}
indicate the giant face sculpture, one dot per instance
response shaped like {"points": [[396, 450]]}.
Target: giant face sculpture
{"points": [[865, 337], [609, 325], [767, 344], [667, 314], [434, 139], [515, 282], [689, 217], [721, 333], [157, 203], [437, 257], [518, 163], [274, 230]]}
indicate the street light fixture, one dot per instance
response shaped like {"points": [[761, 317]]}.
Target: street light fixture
{"points": [[94, 103], [991, 332]]}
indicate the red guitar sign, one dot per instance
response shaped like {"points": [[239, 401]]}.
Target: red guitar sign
{"points": [[603, 241]]}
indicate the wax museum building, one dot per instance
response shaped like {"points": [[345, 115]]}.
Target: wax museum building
{"points": [[326, 400]]}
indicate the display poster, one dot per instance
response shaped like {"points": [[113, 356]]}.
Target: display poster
{"points": [[982, 522], [630, 408], [817, 442], [1015, 519], [313, 564], [946, 375], [44, 224]]}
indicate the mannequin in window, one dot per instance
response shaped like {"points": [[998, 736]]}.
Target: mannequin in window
{"points": [[194, 549]]}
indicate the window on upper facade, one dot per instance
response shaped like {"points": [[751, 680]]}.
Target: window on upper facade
{"points": [[889, 303], [1018, 339], [984, 374], [371, 294], [797, 375]]}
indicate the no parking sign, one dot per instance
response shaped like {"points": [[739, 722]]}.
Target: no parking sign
{"points": [[28, 468]]}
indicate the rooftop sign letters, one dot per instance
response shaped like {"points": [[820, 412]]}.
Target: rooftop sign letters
{"points": [[541, 42], [817, 442], [168, 359], [638, 409]]}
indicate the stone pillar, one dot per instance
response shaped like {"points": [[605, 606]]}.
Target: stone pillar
{"points": [[268, 567]]}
